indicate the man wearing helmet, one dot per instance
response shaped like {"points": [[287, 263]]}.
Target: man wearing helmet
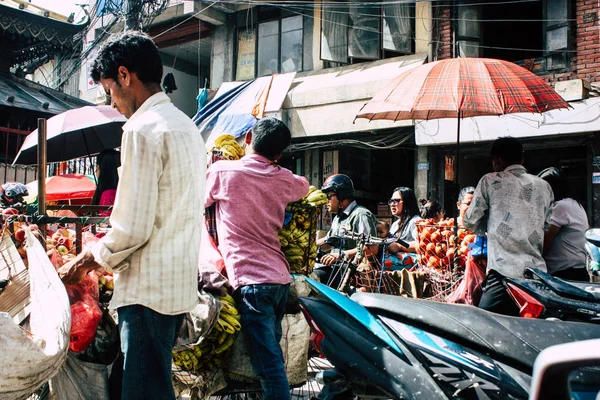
{"points": [[12, 194], [349, 216]]}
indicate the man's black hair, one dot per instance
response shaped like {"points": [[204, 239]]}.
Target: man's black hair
{"points": [[133, 50], [557, 182], [270, 137], [509, 149]]}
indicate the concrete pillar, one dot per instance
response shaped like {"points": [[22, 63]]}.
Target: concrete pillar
{"points": [[423, 29], [422, 176], [221, 60], [316, 46]]}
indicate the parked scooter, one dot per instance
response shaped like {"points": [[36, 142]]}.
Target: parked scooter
{"points": [[543, 296], [390, 347]]}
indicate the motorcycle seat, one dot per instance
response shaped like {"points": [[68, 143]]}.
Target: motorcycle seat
{"points": [[511, 340], [572, 290]]}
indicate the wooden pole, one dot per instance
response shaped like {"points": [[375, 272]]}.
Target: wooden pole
{"points": [[41, 175]]}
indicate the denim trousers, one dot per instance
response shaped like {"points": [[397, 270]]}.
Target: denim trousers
{"points": [[261, 309], [147, 341]]}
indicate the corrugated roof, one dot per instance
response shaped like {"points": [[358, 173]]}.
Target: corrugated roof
{"points": [[25, 94]]}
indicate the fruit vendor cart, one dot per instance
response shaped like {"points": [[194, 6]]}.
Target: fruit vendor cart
{"points": [[30, 285]]}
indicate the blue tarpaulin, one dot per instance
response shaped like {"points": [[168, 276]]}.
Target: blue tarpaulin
{"points": [[232, 112]]}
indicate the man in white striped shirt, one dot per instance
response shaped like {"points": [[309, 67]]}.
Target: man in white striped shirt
{"points": [[153, 245]]}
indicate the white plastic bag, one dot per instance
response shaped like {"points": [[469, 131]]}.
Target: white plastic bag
{"points": [[30, 361]]}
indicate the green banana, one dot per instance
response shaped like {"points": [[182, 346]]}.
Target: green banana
{"points": [[226, 345]]}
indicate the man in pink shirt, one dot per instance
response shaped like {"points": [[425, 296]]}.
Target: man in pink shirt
{"points": [[250, 196]]}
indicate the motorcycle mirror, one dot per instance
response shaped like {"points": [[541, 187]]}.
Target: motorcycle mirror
{"points": [[593, 236], [556, 367]]}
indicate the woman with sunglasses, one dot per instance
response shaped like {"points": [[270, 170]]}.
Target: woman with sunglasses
{"points": [[403, 205]]}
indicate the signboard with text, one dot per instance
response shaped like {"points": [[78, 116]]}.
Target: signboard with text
{"points": [[246, 57]]}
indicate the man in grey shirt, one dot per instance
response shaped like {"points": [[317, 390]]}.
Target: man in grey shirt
{"points": [[514, 208], [349, 216]]}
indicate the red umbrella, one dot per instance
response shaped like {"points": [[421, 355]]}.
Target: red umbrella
{"points": [[462, 87], [459, 88], [76, 133], [65, 187]]}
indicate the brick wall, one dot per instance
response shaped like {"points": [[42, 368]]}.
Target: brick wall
{"points": [[442, 28], [585, 63], [587, 44]]}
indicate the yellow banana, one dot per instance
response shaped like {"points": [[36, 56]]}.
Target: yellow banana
{"points": [[218, 326], [228, 308], [225, 326], [227, 298], [231, 321]]}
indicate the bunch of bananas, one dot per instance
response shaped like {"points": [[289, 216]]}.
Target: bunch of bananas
{"points": [[210, 352], [297, 236], [315, 197], [228, 148]]}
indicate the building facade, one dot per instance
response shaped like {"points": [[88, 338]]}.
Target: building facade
{"points": [[340, 57], [556, 39]]}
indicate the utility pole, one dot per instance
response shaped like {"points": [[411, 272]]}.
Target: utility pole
{"points": [[133, 8]]}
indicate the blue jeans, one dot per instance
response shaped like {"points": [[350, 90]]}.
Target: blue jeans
{"points": [[262, 308], [147, 341]]}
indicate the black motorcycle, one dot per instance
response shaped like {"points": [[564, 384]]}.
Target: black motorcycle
{"points": [[541, 295], [390, 347]]}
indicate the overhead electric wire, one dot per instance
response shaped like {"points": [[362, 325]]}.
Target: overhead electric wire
{"points": [[383, 2], [110, 5], [378, 142], [307, 6], [58, 81], [372, 30], [293, 6]]}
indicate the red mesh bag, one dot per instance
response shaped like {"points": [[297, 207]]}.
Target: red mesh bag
{"points": [[85, 312], [470, 288]]}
